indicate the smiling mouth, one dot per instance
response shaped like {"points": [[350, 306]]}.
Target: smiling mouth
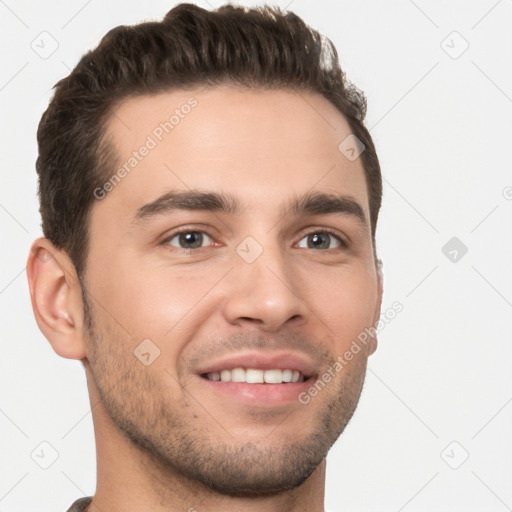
{"points": [[257, 376]]}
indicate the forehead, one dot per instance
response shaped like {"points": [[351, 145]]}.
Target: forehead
{"points": [[254, 144]]}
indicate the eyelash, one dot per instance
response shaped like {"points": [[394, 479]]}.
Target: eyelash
{"points": [[343, 243]]}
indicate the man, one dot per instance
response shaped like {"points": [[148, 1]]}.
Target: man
{"points": [[209, 199]]}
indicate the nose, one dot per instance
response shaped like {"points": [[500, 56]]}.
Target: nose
{"points": [[265, 294]]}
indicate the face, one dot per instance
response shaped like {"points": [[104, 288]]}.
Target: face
{"points": [[238, 240]]}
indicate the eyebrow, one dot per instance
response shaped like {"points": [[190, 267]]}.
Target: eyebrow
{"points": [[324, 204], [193, 200], [310, 203]]}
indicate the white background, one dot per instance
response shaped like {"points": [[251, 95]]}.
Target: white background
{"points": [[442, 373]]}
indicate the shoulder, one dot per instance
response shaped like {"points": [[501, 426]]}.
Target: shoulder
{"points": [[80, 505]]}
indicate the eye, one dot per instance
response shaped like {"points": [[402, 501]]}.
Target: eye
{"points": [[189, 240], [321, 240]]}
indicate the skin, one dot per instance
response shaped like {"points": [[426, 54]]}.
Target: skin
{"points": [[164, 440]]}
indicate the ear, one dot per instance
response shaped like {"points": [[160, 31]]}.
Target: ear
{"points": [[378, 303], [56, 298]]}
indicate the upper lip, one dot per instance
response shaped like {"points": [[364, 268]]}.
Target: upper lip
{"points": [[262, 361]]}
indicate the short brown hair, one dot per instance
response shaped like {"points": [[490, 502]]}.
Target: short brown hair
{"points": [[258, 47]]}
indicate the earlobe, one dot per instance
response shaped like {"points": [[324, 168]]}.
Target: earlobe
{"points": [[55, 294]]}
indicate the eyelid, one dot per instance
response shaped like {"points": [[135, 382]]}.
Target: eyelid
{"points": [[343, 239], [177, 235], [169, 235]]}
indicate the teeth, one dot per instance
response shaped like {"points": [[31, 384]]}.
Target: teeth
{"points": [[287, 375], [255, 376], [273, 376], [237, 375]]}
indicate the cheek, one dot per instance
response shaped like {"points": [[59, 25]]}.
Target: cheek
{"points": [[344, 300], [159, 303]]}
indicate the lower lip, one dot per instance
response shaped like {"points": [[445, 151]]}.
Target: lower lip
{"points": [[260, 394]]}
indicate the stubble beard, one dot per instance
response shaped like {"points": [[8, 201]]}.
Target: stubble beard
{"points": [[169, 435]]}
